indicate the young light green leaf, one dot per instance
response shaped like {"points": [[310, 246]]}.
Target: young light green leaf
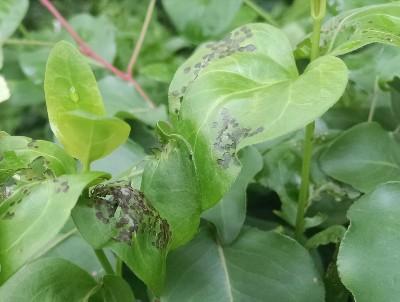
{"points": [[258, 266], [49, 279], [200, 20], [356, 28], [11, 14], [75, 107], [368, 263], [36, 217], [229, 214], [363, 156], [89, 137], [255, 71]]}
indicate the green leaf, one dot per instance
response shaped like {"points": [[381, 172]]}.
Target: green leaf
{"points": [[27, 150], [368, 262], [356, 28], [11, 14], [72, 247], [257, 74], [229, 214], [119, 216], [113, 289], [75, 107], [169, 182], [36, 218], [122, 100], [126, 156], [211, 125], [49, 279], [363, 156], [258, 266], [200, 20], [100, 135], [332, 234], [98, 32]]}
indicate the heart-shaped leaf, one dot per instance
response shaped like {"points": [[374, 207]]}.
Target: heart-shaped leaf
{"points": [[368, 261], [247, 90]]}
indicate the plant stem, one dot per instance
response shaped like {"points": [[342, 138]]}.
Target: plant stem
{"points": [[261, 12], [27, 42], [317, 13], [139, 43], [87, 51], [104, 261]]}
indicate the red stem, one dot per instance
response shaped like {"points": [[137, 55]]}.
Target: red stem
{"points": [[87, 51]]}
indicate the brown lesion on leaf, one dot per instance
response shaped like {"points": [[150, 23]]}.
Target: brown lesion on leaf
{"points": [[130, 213], [229, 135]]}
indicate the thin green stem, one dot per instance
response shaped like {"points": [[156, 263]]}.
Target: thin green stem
{"points": [[315, 38], [104, 262], [26, 42], [317, 12], [139, 43], [261, 12]]}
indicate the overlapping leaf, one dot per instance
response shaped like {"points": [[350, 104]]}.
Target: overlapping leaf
{"points": [[356, 28], [63, 281], [76, 111], [363, 156], [35, 216], [258, 266], [368, 261]]}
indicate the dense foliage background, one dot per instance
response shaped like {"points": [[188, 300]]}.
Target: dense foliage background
{"points": [[356, 149]]}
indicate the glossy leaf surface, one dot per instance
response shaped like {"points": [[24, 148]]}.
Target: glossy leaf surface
{"points": [[368, 262], [76, 111], [62, 281], [204, 270], [36, 217], [248, 69], [364, 157]]}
